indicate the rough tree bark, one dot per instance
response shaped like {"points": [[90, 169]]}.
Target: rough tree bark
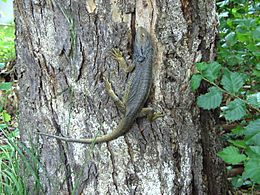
{"points": [[62, 54]]}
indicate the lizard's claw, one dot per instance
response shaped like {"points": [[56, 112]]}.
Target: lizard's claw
{"points": [[155, 115], [108, 85], [117, 54]]}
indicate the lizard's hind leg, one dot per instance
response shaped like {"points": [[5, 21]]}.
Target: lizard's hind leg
{"points": [[150, 114]]}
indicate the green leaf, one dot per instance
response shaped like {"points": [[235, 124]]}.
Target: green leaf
{"points": [[251, 152], [237, 181], [252, 47], [256, 73], [238, 143], [255, 149], [238, 130], [195, 81], [232, 81], [222, 3], [223, 15], [231, 155], [252, 170], [258, 66], [5, 116], [254, 100], [231, 39], [212, 71], [252, 128], [209, 70], [6, 85], [256, 33], [3, 126], [255, 140], [210, 100], [201, 66], [234, 110], [241, 29]]}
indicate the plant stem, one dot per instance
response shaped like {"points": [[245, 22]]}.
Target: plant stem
{"points": [[231, 94]]}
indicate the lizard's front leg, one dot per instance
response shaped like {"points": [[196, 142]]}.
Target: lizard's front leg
{"points": [[114, 97], [118, 56]]}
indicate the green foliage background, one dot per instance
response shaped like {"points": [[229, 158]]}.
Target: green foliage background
{"points": [[7, 51], [234, 83]]}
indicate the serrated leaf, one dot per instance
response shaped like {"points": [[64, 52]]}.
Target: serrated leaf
{"points": [[252, 170], [6, 85], [255, 149], [252, 128], [254, 100], [231, 155], [235, 110], [195, 81], [238, 143], [212, 71], [232, 81], [210, 100], [238, 130], [254, 140], [201, 66], [251, 153]]}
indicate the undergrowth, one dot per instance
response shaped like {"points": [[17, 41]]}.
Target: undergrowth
{"points": [[234, 89]]}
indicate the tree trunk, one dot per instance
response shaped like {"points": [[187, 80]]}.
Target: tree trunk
{"points": [[63, 52]]}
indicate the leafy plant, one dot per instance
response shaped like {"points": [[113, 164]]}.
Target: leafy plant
{"points": [[239, 47], [224, 81], [236, 104], [7, 51], [234, 87]]}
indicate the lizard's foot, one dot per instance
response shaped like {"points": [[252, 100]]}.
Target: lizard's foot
{"points": [[150, 114], [114, 97], [118, 56], [154, 116]]}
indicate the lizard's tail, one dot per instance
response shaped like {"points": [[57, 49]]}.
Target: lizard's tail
{"points": [[121, 129]]}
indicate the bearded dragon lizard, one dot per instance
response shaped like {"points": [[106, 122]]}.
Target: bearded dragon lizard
{"points": [[137, 91]]}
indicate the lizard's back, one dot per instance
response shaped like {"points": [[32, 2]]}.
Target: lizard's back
{"points": [[142, 76]]}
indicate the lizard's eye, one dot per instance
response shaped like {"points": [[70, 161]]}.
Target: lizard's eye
{"points": [[143, 35]]}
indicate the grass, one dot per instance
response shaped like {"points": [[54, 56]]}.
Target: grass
{"points": [[19, 165]]}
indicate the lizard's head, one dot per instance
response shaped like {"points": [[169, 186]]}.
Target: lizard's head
{"points": [[143, 43]]}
